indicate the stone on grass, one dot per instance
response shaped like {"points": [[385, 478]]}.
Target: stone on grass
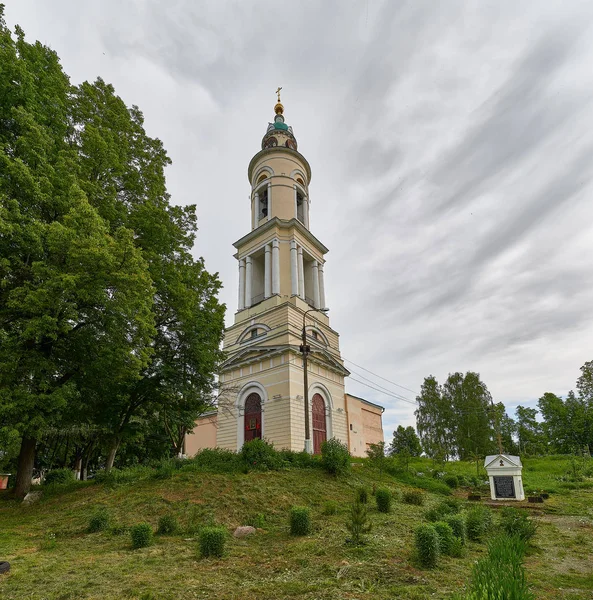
{"points": [[31, 497], [244, 531]]}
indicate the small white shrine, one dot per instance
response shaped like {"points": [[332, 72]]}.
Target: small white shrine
{"points": [[504, 473]]}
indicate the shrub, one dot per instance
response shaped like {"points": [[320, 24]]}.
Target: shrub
{"points": [[335, 457], [299, 460], [330, 507], [212, 541], [113, 476], [383, 499], [362, 495], [452, 481], [99, 521], [165, 469], [446, 537], [59, 476], [514, 522], [446, 507], [358, 522], [413, 497], [258, 521], [478, 521], [457, 524], [168, 525], [300, 520], [260, 455], [141, 535], [427, 545], [214, 460], [501, 574]]}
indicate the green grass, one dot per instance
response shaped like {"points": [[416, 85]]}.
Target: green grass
{"points": [[54, 557]]}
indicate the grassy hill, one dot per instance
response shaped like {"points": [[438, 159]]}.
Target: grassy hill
{"points": [[53, 557]]}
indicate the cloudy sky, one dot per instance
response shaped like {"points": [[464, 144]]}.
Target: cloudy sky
{"points": [[452, 156]]}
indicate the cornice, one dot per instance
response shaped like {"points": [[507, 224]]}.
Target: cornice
{"points": [[282, 224], [266, 151]]}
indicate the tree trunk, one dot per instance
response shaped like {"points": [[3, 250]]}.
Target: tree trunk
{"points": [[111, 455], [25, 465]]}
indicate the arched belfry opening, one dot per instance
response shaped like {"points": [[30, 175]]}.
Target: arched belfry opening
{"points": [[319, 423], [252, 418]]}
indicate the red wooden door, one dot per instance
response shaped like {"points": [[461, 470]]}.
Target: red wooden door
{"points": [[253, 417], [319, 428]]}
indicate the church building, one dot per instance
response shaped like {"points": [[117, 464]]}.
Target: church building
{"points": [[281, 295]]}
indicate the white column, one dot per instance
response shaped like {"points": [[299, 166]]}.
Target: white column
{"points": [[294, 275], [269, 201], [301, 268], [306, 212], [321, 286], [256, 210], [275, 267], [316, 284], [248, 278], [241, 284], [268, 271]]}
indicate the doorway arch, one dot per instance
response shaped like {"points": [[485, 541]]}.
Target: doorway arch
{"points": [[319, 423]]}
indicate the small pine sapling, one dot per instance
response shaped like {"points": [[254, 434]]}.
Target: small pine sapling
{"points": [[358, 523]]}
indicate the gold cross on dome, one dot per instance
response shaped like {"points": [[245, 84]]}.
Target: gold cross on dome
{"points": [[278, 92]]}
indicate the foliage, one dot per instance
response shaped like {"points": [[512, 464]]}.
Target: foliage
{"points": [[383, 498], [426, 541], [212, 541], [330, 507], [300, 520], [452, 481], [530, 435], [99, 521], [446, 537], [426, 483], [58, 476], [517, 523], [362, 495], [457, 524], [376, 456], [443, 508], [478, 521], [214, 460], [335, 457], [141, 535], [358, 522], [258, 521], [300, 460], [115, 477], [413, 497], [168, 525], [405, 439], [260, 455], [501, 574]]}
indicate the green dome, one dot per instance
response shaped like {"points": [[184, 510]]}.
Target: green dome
{"points": [[279, 125]]}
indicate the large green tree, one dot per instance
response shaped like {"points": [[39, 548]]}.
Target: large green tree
{"points": [[530, 436], [405, 440]]}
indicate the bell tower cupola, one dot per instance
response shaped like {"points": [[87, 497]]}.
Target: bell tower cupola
{"points": [[279, 175]]}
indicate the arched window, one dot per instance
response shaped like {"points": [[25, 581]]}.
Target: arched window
{"points": [[263, 204], [299, 180], [253, 428], [319, 423], [262, 177], [300, 211]]}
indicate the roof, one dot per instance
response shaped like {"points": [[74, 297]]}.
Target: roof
{"points": [[366, 401], [514, 461]]}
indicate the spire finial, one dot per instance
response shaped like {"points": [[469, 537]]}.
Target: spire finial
{"points": [[278, 109]]}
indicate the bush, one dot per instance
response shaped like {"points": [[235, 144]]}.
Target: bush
{"points": [[501, 574], [59, 476], [300, 520], [167, 525], [478, 521], [362, 495], [446, 537], [258, 521], [383, 499], [298, 460], [141, 535], [457, 524], [212, 541], [260, 455], [358, 522], [446, 507], [514, 522], [335, 457], [425, 483], [452, 481], [413, 497], [214, 460], [427, 545], [330, 507], [165, 469], [99, 521], [113, 476]]}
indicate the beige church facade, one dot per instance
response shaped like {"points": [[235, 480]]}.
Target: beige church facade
{"points": [[281, 292]]}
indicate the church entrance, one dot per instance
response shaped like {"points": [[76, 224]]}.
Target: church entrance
{"points": [[319, 426], [252, 417]]}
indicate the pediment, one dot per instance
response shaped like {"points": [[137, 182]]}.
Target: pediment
{"points": [[508, 460]]}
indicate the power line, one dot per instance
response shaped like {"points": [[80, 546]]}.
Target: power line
{"points": [[391, 392], [379, 376], [383, 391]]}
